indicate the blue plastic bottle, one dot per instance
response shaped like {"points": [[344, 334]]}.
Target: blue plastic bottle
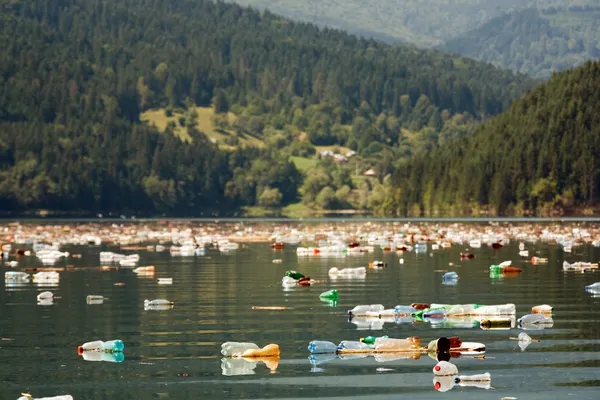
{"points": [[321, 347]]}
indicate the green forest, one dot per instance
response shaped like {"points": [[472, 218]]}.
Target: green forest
{"points": [[76, 76], [539, 157], [535, 42]]}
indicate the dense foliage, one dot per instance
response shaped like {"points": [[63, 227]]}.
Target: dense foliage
{"points": [[422, 22], [535, 42], [540, 156], [76, 74]]}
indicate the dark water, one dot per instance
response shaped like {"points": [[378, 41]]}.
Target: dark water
{"points": [[176, 353]]}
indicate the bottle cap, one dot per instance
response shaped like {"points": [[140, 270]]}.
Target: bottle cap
{"points": [[80, 350]]}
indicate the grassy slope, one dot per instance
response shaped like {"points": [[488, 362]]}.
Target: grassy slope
{"points": [[204, 124]]}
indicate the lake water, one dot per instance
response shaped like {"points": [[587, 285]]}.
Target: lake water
{"points": [[175, 354]]}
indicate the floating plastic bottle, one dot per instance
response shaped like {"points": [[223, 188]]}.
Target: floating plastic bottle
{"points": [[390, 344], [94, 299], [538, 260], [287, 281], [158, 304], [230, 349], [149, 270], [354, 345], [294, 274], [111, 346], [534, 319], [371, 339], [46, 276], [404, 310], [165, 281], [359, 272], [504, 268], [542, 309], [593, 287], [330, 295], [363, 309], [474, 378], [115, 357], [450, 276], [61, 397], [445, 368], [322, 347], [16, 276], [45, 296]]}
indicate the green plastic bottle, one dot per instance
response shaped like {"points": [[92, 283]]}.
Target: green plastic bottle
{"points": [[371, 339], [496, 269], [330, 294], [294, 274]]}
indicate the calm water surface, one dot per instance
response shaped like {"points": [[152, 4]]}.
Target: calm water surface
{"points": [[176, 353]]}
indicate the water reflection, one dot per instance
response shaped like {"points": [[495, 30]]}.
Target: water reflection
{"points": [[246, 366]]}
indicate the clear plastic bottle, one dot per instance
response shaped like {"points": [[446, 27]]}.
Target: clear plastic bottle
{"points": [[593, 286], [404, 310], [320, 347], [474, 378], [354, 345], [530, 319], [363, 309], [16, 276], [450, 276], [94, 299], [498, 309], [110, 346], [157, 302], [229, 349], [390, 344]]}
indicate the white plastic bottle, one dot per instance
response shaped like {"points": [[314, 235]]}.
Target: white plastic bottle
{"points": [[230, 349], [363, 309], [445, 368]]}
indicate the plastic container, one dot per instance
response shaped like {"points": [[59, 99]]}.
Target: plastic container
{"points": [[45, 296], [16, 276], [390, 344], [498, 309], [330, 294], [542, 309], [322, 347], [450, 276], [115, 357], [111, 346], [229, 349], [593, 286], [532, 319], [354, 345], [404, 310], [363, 309], [158, 302], [474, 378], [94, 299], [294, 274], [445, 368], [371, 339]]}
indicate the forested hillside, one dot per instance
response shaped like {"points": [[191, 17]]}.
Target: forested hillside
{"points": [[422, 22], [540, 156], [75, 76], [535, 42]]}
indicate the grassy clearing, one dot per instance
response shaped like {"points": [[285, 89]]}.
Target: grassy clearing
{"points": [[204, 124], [303, 164]]}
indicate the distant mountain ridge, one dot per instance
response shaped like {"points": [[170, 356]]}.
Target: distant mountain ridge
{"points": [[421, 22], [534, 42]]}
